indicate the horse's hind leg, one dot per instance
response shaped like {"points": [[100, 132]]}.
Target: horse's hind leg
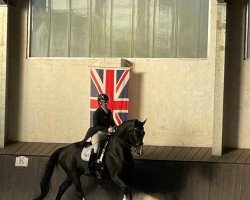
{"points": [[76, 180], [63, 187]]}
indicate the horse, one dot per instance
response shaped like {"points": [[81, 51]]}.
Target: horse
{"points": [[118, 161]]}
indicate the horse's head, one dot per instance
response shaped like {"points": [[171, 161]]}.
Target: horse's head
{"points": [[136, 136]]}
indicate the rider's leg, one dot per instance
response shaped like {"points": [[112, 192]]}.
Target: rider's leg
{"points": [[91, 163], [96, 139]]}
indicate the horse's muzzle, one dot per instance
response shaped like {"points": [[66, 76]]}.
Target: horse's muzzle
{"points": [[138, 150]]}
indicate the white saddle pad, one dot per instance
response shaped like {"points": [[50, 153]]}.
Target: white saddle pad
{"points": [[86, 151]]}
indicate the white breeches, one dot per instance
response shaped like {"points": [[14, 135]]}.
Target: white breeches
{"points": [[97, 138]]}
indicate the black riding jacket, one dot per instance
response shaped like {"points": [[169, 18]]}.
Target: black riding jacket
{"points": [[101, 118], [101, 122]]}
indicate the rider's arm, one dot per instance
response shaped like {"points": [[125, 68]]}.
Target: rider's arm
{"points": [[96, 118], [113, 124]]}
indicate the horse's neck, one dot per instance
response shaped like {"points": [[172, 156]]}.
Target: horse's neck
{"points": [[121, 134]]}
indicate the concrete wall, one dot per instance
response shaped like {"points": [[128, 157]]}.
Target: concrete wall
{"points": [[237, 83], [49, 98]]}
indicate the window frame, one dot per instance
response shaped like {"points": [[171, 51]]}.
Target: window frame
{"points": [[247, 33]]}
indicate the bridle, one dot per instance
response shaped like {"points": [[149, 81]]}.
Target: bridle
{"points": [[133, 146], [140, 146], [137, 129]]}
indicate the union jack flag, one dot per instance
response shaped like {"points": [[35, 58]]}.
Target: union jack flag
{"points": [[114, 83]]}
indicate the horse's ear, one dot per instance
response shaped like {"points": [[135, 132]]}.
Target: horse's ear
{"points": [[136, 122], [139, 123]]}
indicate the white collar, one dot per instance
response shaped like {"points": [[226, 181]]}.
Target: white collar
{"points": [[105, 109]]}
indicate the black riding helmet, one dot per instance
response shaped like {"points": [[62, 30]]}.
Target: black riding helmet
{"points": [[103, 97]]}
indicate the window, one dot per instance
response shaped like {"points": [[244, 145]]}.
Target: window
{"points": [[119, 28]]}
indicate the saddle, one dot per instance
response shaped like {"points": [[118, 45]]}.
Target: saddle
{"points": [[86, 151]]}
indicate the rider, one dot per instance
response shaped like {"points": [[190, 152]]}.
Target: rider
{"points": [[103, 123]]}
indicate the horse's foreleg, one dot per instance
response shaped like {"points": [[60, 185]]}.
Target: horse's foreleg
{"points": [[76, 180], [63, 187], [125, 188]]}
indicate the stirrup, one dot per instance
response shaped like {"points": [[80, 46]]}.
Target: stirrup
{"points": [[90, 171], [87, 172], [98, 175]]}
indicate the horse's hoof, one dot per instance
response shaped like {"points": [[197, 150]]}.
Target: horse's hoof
{"points": [[126, 198]]}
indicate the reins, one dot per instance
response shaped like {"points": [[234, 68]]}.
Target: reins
{"points": [[127, 145]]}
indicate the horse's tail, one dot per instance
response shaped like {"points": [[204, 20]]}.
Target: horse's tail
{"points": [[45, 182]]}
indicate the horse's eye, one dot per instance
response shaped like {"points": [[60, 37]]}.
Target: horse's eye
{"points": [[140, 132]]}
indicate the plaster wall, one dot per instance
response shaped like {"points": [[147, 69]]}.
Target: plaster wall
{"points": [[49, 98], [3, 72]]}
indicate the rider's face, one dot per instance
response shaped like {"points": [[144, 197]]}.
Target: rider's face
{"points": [[104, 104]]}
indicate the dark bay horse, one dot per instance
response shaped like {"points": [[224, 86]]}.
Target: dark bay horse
{"points": [[118, 161]]}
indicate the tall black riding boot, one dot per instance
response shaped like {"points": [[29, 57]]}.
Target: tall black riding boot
{"points": [[91, 164], [81, 143]]}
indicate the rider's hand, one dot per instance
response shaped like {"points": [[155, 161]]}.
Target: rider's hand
{"points": [[111, 129]]}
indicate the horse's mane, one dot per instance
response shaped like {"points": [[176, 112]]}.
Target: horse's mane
{"points": [[124, 125], [128, 121]]}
